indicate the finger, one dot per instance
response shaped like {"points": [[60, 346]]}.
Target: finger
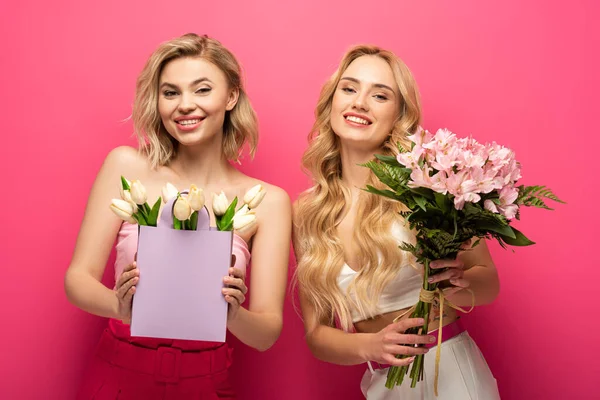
{"points": [[124, 289], [127, 299], [398, 338], [126, 276], [446, 264], [232, 300], [398, 362], [239, 296], [451, 273], [406, 324], [405, 350], [236, 283], [237, 273]]}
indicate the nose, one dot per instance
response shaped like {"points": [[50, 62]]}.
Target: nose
{"points": [[186, 104], [361, 102]]}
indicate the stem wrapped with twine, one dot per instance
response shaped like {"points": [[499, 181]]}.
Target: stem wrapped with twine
{"points": [[422, 309]]}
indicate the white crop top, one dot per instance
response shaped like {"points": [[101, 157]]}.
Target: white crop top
{"points": [[401, 292]]}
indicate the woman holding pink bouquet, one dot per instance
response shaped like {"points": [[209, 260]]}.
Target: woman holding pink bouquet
{"points": [[192, 118], [356, 286]]}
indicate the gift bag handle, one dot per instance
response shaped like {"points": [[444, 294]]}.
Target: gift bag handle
{"points": [[166, 217]]}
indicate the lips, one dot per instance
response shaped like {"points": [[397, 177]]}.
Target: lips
{"points": [[188, 120], [357, 119], [188, 123]]}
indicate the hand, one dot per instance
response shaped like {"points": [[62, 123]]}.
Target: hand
{"points": [[234, 291], [391, 340], [125, 289], [454, 274]]}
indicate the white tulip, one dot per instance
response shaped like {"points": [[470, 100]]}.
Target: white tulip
{"points": [[196, 198], [244, 221], [121, 190], [127, 197], [182, 209], [254, 196], [123, 209], [220, 204], [168, 192], [138, 192]]}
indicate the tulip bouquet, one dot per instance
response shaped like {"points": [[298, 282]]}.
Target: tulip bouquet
{"points": [[132, 207], [452, 190]]}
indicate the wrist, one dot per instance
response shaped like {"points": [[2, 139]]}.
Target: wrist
{"points": [[364, 346]]}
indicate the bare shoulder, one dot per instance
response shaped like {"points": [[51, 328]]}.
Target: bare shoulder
{"points": [[126, 160], [275, 196]]}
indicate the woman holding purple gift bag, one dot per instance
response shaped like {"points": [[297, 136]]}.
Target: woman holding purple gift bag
{"points": [[192, 118]]}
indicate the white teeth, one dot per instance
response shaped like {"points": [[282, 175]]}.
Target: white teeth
{"points": [[357, 120], [189, 122]]}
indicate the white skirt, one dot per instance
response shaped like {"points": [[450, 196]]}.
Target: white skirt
{"points": [[464, 375]]}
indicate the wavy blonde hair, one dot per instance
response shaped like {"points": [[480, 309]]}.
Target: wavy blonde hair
{"points": [[240, 125], [321, 208]]}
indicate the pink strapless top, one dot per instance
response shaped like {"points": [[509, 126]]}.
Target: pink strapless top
{"points": [[126, 248]]}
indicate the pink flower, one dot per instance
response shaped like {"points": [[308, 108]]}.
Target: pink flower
{"points": [[420, 177], [490, 206], [408, 160], [442, 140], [507, 196], [420, 137], [463, 188]]}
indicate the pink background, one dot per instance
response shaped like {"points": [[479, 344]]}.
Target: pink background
{"points": [[524, 73]]}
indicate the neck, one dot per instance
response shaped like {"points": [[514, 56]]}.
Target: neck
{"points": [[202, 164], [354, 175]]}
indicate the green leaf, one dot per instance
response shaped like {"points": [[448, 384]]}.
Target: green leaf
{"points": [[534, 196], [440, 200], [124, 183], [390, 160], [425, 192], [194, 221], [153, 215], [227, 218], [177, 224], [518, 240], [218, 221], [392, 176], [140, 217], [385, 192], [421, 202], [495, 226]]}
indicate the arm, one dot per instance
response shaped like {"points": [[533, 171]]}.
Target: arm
{"points": [[336, 346], [96, 237], [259, 326]]}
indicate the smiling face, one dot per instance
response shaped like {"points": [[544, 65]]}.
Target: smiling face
{"points": [[193, 97], [366, 103]]}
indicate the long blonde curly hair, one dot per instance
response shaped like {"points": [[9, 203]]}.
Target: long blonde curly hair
{"points": [[321, 208]]}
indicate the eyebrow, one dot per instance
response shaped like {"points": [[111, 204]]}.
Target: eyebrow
{"points": [[377, 85], [197, 81]]}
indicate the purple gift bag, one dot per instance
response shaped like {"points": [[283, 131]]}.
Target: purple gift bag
{"points": [[181, 277]]}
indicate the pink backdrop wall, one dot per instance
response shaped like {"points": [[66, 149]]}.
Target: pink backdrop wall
{"points": [[522, 73]]}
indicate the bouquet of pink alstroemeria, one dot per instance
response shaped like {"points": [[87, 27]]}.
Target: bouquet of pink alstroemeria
{"points": [[453, 190]]}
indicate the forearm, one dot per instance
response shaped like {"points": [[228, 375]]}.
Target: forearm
{"points": [[338, 347], [90, 295], [484, 284], [255, 329]]}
